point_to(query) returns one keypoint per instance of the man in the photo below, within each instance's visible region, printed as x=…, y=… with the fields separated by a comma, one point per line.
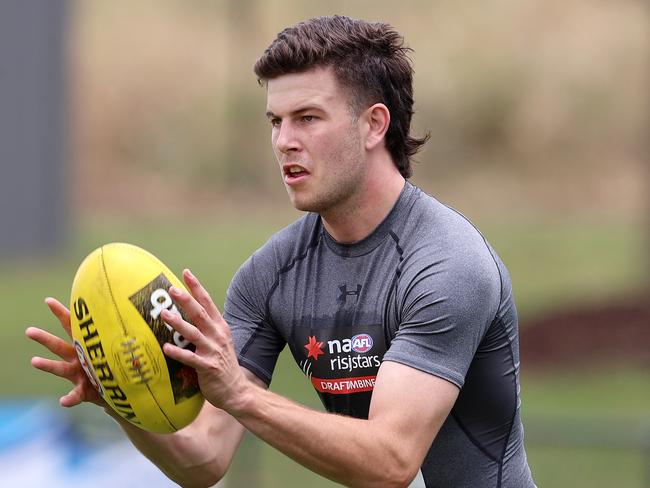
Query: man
x=393, y=304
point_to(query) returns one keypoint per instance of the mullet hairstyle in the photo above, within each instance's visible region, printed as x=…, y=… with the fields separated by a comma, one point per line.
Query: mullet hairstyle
x=368, y=59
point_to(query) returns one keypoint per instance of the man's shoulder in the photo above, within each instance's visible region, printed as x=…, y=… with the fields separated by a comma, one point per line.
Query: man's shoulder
x=295, y=237
x=432, y=226
x=290, y=242
x=298, y=232
x=437, y=235
x=260, y=271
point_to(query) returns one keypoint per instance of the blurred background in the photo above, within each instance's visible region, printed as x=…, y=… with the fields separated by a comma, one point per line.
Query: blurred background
x=143, y=122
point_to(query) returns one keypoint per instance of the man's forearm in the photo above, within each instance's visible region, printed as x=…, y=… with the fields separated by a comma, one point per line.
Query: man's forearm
x=191, y=456
x=351, y=451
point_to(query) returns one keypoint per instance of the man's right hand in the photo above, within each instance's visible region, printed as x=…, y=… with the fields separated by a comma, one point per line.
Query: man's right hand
x=68, y=366
x=199, y=455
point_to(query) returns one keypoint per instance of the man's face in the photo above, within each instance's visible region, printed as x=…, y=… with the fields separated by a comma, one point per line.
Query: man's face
x=316, y=140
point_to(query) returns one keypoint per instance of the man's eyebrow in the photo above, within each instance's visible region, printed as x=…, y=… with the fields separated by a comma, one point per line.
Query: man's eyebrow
x=270, y=114
x=307, y=108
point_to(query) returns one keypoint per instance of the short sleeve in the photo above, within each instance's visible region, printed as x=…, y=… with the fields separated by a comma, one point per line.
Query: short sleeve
x=257, y=342
x=444, y=308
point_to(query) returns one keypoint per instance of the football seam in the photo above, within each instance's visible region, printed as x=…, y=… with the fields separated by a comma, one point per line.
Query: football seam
x=119, y=315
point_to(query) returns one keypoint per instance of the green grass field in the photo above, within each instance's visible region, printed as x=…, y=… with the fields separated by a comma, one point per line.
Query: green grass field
x=551, y=266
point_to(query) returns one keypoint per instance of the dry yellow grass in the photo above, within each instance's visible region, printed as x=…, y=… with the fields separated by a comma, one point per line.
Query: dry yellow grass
x=538, y=104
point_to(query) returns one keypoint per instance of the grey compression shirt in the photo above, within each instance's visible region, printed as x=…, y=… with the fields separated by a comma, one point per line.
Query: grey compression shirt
x=424, y=290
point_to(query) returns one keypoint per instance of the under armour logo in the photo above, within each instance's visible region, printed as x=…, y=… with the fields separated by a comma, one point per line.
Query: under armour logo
x=345, y=293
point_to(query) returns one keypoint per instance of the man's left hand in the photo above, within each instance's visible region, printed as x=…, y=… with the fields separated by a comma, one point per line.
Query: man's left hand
x=221, y=379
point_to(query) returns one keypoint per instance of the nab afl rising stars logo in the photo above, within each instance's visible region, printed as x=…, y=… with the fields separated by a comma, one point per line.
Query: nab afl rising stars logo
x=344, y=368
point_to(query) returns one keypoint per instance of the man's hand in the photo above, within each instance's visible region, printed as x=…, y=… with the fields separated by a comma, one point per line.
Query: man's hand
x=221, y=379
x=69, y=366
x=199, y=454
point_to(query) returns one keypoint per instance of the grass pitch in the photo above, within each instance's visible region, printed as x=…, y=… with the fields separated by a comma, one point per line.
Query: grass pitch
x=551, y=266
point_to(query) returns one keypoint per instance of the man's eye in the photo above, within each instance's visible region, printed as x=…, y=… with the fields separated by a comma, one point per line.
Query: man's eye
x=275, y=122
x=308, y=118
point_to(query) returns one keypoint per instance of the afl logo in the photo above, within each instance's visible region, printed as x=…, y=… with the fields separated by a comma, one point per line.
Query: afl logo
x=362, y=343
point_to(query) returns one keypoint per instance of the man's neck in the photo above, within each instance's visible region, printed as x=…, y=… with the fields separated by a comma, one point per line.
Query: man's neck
x=364, y=213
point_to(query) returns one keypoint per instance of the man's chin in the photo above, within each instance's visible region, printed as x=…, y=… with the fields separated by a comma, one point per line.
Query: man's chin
x=303, y=205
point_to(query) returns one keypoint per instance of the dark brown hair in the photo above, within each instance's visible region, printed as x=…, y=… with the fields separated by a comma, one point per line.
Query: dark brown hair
x=369, y=59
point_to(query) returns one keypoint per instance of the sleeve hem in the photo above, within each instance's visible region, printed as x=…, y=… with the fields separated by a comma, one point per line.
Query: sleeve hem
x=434, y=369
x=255, y=369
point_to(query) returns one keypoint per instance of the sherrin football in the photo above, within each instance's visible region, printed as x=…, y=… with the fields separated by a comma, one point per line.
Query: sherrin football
x=117, y=298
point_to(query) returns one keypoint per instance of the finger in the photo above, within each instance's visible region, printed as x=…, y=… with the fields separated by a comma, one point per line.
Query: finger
x=58, y=368
x=187, y=330
x=61, y=313
x=82, y=392
x=193, y=309
x=53, y=343
x=184, y=356
x=72, y=398
x=201, y=295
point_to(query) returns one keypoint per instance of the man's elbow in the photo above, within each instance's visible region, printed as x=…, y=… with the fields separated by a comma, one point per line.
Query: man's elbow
x=204, y=482
x=400, y=478
x=198, y=477
x=392, y=474
x=389, y=480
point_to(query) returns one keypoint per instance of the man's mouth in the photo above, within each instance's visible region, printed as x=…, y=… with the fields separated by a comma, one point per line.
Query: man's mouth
x=293, y=171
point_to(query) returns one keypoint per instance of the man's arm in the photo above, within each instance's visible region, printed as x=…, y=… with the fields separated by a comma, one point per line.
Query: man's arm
x=407, y=410
x=197, y=455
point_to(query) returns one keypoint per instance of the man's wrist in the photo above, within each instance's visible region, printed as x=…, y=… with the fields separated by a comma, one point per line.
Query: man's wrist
x=111, y=413
x=245, y=401
x=115, y=416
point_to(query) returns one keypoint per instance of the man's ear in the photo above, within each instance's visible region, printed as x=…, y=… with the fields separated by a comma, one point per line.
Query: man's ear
x=378, y=120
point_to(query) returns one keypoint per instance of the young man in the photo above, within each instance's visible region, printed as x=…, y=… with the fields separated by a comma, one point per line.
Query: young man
x=394, y=305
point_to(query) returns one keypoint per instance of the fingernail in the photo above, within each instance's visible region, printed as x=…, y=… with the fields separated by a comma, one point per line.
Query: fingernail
x=173, y=290
x=190, y=274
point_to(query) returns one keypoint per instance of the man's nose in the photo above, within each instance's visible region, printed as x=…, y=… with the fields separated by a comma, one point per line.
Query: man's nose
x=287, y=138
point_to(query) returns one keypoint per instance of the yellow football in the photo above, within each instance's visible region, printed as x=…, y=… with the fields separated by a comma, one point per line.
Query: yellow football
x=117, y=297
